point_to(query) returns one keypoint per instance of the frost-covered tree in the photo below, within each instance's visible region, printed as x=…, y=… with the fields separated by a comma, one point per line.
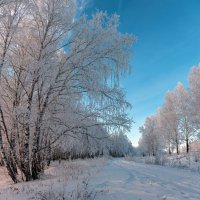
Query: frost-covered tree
x=120, y=145
x=151, y=141
x=171, y=117
x=178, y=119
x=194, y=93
x=186, y=127
x=59, y=77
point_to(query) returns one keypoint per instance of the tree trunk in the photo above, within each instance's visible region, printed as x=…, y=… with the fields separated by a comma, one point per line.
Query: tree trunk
x=170, y=152
x=177, y=149
x=187, y=145
x=177, y=145
x=11, y=172
x=26, y=159
x=49, y=154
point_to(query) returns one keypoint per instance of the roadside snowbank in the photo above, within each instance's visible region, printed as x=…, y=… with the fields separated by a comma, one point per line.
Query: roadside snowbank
x=68, y=180
x=186, y=161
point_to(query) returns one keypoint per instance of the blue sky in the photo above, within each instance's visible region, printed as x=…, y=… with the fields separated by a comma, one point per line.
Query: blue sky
x=168, y=45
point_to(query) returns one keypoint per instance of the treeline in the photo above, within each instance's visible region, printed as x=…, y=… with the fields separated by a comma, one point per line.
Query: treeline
x=103, y=144
x=59, y=75
x=177, y=123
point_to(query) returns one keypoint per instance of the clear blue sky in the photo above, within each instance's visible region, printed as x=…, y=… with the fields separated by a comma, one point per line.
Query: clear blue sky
x=168, y=46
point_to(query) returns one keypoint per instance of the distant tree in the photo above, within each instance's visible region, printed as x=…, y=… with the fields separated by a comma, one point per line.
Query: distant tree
x=177, y=121
x=171, y=116
x=186, y=127
x=120, y=145
x=194, y=100
x=150, y=142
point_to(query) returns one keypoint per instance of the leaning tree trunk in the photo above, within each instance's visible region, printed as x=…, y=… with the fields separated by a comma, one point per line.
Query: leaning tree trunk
x=11, y=172
x=36, y=157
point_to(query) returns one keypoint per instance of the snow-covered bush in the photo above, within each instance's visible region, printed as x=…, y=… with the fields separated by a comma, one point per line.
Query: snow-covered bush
x=161, y=159
x=186, y=160
x=81, y=192
x=196, y=156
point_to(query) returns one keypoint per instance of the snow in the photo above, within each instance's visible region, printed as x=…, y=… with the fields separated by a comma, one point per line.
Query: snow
x=117, y=179
x=131, y=180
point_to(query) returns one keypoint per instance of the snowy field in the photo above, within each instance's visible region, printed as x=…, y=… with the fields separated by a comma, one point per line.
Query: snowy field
x=106, y=179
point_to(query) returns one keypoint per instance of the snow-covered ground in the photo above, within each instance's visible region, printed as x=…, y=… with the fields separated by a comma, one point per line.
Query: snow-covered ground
x=106, y=179
x=138, y=181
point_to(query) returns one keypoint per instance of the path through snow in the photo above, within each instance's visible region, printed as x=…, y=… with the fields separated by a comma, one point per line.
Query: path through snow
x=127, y=180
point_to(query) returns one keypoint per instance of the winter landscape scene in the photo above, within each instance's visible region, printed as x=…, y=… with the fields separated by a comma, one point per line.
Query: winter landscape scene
x=99, y=100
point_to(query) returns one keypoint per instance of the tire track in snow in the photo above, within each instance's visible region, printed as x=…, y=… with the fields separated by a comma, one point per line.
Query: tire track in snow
x=127, y=180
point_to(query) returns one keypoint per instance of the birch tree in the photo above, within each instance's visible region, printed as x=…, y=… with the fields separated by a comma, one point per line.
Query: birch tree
x=186, y=127
x=59, y=76
x=194, y=81
x=151, y=143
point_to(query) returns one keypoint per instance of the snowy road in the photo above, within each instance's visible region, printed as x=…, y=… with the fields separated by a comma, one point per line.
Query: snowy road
x=127, y=180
